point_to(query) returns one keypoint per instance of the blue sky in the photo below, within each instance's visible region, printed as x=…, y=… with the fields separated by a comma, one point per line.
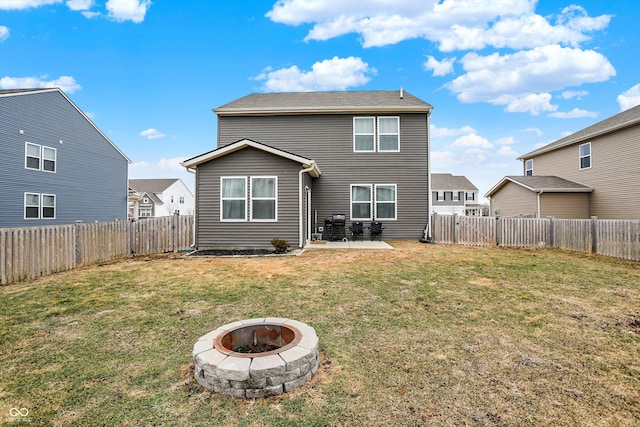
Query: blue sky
x=504, y=76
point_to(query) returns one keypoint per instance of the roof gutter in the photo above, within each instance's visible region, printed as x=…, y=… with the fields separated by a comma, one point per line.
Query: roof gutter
x=257, y=111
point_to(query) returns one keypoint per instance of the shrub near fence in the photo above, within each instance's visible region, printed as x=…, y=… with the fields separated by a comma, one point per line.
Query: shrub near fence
x=615, y=238
x=30, y=252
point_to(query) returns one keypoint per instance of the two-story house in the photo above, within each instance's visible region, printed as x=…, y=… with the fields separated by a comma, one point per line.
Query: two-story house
x=287, y=161
x=592, y=172
x=454, y=195
x=56, y=166
x=160, y=197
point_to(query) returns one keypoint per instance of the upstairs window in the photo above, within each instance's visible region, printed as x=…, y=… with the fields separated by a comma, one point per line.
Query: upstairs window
x=361, y=202
x=181, y=200
x=38, y=157
x=456, y=196
x=264, y=198
x=371, y=134
x=32, y=160
x=470, y=196
x=585, y=156
x=388, y=134
x=363, y=134
x=233, y=194
x=441, y=196
x=528, y=167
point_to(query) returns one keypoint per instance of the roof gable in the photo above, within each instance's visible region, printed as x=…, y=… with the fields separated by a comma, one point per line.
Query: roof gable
x=542, y=184
x=621, y=120
x=244, y=143
x=324, y=102
x=151, y=185
x=23, y=92
x=447, y=181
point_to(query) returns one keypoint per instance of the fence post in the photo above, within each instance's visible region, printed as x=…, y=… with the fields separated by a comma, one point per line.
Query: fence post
x=433, y=226
x=78, y=243
x=455, y=229
x=176, y=230
x=132, y=236
x=498, y=230
x=552, y=233
x=594, y=234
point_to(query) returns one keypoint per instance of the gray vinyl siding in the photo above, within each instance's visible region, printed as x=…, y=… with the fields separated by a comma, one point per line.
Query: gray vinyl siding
x=615, y=160
x=512, y=200
x=565, y=205
x=211, y=233
x=328, y=139
x=90, y=182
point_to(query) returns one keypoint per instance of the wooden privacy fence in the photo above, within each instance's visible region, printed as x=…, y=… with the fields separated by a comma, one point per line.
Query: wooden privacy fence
x=615, y=238
x=30, y=252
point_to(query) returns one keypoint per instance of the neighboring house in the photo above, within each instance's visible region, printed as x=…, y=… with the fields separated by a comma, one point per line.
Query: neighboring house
x=601, y=160
x=159, y=197
x=454, y=194
x=539, y=197
x=287, y=161
x=56, y=166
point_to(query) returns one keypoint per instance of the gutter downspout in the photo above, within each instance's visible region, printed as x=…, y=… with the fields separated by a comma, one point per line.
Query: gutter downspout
x=195, y=208
x=539, y=193
x=430, y=195
x=301, y=203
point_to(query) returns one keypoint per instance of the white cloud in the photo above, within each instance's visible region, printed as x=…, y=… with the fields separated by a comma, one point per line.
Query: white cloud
x=505, y=141
x=453, y=24
x=439, y=68
x=440, y=157
x=152, y=133
x=472, y=140
x=25, y=4
x=629, y=98
x=578, y=94
x=524, y=77
x=79, y=4
x=330, y=74
x=67, y=83
x=537, y=131
x=128, y=10
x=436, y=132
x=506, y=150
x=4, y=33
x=573, y=114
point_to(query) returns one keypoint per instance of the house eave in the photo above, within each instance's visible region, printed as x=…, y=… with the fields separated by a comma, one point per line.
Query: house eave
x=318, y=110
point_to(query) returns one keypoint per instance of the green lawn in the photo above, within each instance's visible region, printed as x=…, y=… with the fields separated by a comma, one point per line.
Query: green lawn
x=421, y=335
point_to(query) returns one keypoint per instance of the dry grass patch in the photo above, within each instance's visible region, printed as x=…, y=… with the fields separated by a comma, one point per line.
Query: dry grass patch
x=421, y=335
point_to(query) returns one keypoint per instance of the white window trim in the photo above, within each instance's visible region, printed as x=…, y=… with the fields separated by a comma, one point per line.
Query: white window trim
x=26, y=156
x=528, y=169
x=41, y=158
x=42, y=206
x=378, y=133
x=275, y=199
x=245, y=198
x=373, y=149
x=455, y=196
x=466, y=196
x=395, y=202
x=354, y=218
x=55, y=160
x=580, y=157
x=24, y=205
x=438, y=198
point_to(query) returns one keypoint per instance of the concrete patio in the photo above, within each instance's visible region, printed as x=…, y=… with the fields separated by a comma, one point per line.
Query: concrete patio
x=349, y=244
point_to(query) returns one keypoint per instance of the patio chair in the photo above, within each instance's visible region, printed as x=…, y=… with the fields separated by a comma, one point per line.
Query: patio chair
x=375, y=230
x=357, y=231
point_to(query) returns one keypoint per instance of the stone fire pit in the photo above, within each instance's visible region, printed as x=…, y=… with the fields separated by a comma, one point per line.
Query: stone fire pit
x=257, y=357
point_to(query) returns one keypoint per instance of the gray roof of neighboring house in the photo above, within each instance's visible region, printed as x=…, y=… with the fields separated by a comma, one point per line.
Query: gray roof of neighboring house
x=539, y=184
x=447, y=181
x=619, y=121
x=324, y=102
x=14, y=91
x=151, y=185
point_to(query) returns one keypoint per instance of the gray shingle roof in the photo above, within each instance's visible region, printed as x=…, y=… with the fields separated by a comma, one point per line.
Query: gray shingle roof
x=549, y=184
x=447, y=181
x=13, y=91
x=613, y=123
x=322, y=102
x=151, y=185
